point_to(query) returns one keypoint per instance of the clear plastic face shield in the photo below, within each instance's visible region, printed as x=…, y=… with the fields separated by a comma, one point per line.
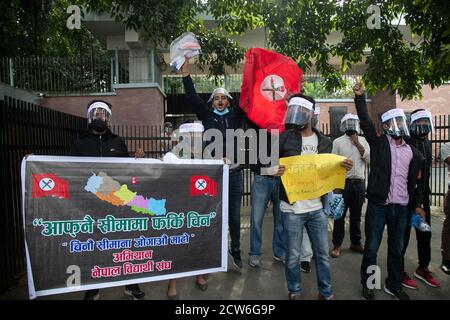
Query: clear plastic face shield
x=395, y=123
x=99, y=116
x=421, y=123
x=350, y=124
x=316, y=118
x=299, y=113
x=191, y=141
x=220, y=98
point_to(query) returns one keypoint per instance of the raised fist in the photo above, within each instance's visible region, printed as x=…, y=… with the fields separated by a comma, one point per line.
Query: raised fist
x=358, y=89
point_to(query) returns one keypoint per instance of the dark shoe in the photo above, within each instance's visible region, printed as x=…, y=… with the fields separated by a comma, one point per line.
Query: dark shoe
x=336, y=252
x=305, y=266
x=201, y=286
x=322, y=298
x=92, y=295
x=398, y=295
x=237, y=262
x=358, y=248
x=135, y=292
x=445, y=267
x=294, y=296
x=368, y=294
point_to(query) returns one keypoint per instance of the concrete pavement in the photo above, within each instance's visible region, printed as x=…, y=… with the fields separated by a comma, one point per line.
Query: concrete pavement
x=268, y=282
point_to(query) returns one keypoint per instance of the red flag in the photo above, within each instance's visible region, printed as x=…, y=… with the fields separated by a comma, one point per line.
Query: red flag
x=48, y=184
x=203, y=185
x=268, y=76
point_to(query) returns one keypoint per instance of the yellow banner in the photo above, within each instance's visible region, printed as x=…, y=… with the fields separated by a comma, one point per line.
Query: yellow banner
x=312, y=175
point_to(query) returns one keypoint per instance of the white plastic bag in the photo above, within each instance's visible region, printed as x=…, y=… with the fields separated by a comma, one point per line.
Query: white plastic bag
x=334, y=205
x=185, y=46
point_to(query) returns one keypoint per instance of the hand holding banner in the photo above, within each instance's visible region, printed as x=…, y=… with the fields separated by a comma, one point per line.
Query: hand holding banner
x=311, y=176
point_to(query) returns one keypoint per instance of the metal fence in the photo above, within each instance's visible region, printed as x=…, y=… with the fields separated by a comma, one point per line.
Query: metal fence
x=58, y=75
x=439, y=178
x=86, y=74
x=25, y=128
x=152, y=139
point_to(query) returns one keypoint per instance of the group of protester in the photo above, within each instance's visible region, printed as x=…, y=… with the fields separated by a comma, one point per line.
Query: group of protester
x=397, y=187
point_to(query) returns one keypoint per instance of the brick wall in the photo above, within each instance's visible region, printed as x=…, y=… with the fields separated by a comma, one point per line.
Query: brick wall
x=131, y=106
x=437, y=100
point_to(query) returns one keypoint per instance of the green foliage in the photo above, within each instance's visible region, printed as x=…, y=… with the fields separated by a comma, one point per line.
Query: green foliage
x=298, y=28
x=232, y=82
x=218, y=51
x=157, y=21
x=317, y=88
x=22, y=26
x=160, y=22
x=38, y=27
x=237, y=16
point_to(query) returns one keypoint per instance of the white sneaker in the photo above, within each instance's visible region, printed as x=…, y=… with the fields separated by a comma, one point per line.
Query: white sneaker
x=254, y=261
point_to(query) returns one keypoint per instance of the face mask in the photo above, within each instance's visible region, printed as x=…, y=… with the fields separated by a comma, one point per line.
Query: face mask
x=395, y=137
x=420, y=130
x=350, y=132
x=221, y=113
x=98, y=125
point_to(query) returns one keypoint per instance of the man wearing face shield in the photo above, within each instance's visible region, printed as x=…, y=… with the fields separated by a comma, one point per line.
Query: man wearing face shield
x=357, y=149
x=302, y=138
x=394, y=189
x=222, y=116
x=191, y=136
x=421, y=125
x=99, y=141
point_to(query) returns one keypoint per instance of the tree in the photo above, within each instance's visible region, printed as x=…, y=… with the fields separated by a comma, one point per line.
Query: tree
x=177, y=16
x=300, y=30
x=38, y=27
x=297, y=28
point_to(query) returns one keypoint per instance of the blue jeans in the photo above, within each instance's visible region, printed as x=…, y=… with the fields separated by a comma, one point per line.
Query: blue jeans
x=316, y=224
x=377, y=216
x=265, y=188
x=235, y=188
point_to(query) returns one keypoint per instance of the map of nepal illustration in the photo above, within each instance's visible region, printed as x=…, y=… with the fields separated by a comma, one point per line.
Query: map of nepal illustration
x=108, y=189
